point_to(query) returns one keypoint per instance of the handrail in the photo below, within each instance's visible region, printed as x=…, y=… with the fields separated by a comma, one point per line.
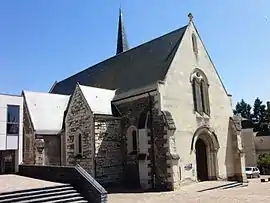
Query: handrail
x=90, y=179
x=79, y=178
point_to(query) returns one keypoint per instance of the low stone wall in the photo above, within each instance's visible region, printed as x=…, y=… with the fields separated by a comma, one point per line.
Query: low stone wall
x=89, y=188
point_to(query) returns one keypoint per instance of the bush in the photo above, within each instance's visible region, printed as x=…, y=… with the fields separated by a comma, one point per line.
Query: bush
x=263, y=161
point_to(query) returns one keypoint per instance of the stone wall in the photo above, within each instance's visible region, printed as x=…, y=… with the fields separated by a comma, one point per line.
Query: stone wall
x=108, y=150
x=28, y=138
x=177, y=98
x=76, y=176
x=52, y=150
x=63, y=148
x=39, y=151
x=161, y=148
x=79, y=121
x=131, y=111
x=248, y=139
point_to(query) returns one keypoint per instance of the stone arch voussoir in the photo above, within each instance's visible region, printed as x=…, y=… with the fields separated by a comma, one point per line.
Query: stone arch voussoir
x=208, y=135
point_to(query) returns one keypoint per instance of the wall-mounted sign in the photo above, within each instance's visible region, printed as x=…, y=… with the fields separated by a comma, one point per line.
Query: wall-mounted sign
x=188, y=167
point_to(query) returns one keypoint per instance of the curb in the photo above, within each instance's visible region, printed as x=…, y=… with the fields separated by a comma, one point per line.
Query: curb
x=263, y=180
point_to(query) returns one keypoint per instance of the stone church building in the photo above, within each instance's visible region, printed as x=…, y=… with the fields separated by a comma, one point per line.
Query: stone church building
x=153, y=116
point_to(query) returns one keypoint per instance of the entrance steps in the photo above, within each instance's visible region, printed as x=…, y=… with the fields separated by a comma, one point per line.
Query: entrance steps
x=53, y=194
x=211, y=185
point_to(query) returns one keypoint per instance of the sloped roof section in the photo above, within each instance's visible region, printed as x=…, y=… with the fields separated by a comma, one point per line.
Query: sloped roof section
x=132, y=69
x=46, y=111
x=98, y=99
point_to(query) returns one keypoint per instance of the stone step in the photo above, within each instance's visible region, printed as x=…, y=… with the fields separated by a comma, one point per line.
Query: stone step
x=31, y=197
x=77, y=199
x=23, y=193
x=52, y=198
x=232, y=186
x=219, y=186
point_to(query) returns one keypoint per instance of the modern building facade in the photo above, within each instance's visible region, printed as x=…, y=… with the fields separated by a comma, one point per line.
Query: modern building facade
x=11, y=132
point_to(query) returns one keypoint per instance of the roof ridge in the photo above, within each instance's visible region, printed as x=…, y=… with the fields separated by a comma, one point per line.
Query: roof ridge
x=120, y=54
x=47, y=93
x=88, y=86
x=10, y=95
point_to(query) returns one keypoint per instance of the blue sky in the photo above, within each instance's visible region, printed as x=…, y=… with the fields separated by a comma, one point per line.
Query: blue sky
x=47, y=40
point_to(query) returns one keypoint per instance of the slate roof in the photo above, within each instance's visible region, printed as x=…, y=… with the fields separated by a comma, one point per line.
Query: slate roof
x=137, y=67
x=99, y=100
x=46, y=111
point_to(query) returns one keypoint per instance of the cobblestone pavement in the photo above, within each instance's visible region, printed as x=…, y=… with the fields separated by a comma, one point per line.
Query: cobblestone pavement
x=10, y=183
x=254, y=192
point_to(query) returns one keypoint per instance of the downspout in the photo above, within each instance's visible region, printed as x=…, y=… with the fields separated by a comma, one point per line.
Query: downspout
x=153, y=174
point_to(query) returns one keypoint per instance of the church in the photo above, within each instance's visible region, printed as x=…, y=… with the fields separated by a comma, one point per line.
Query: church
x=153, y=116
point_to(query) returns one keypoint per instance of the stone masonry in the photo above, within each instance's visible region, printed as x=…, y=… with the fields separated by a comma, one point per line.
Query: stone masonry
x=79, y=121
x=159, y=166
x=29, y=138
x=101, y=142
x=39, y=149
x=108, y=150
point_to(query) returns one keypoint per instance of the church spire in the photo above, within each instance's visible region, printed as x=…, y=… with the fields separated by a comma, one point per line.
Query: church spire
x=122, y=44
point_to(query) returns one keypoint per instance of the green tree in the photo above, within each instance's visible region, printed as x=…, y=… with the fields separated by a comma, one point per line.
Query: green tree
x=243, y=108
x=264, y=159
x=259, y=116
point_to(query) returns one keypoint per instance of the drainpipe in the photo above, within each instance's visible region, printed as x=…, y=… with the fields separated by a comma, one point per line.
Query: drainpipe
x=153, y=174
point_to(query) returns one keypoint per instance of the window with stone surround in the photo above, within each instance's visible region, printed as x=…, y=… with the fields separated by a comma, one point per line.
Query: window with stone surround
x=78, y=145
x=132, y=140
x=200, y=91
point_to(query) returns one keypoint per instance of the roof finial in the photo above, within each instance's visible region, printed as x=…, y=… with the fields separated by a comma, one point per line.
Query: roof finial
x=190, y=16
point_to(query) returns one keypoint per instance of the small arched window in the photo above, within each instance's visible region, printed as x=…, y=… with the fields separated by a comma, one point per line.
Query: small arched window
x=200, y=88
x=78, y=144
x=194, y=43
x=142, y=120
x=134, y=141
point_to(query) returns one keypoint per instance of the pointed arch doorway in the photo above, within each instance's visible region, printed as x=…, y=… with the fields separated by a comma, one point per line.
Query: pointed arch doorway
x=201, y=160
x=205, y=145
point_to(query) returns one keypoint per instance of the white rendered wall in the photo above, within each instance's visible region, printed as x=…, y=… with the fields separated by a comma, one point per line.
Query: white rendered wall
x=11, y=142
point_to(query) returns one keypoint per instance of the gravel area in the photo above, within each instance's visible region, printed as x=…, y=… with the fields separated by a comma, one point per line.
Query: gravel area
x=9, y=183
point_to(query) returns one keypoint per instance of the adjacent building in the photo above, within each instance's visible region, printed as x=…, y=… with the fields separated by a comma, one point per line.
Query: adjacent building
x=11, y=132
x=43, y=119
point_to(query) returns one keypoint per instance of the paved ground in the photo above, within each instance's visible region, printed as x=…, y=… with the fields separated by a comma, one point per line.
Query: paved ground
x=254, y=192
x=10, y=183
